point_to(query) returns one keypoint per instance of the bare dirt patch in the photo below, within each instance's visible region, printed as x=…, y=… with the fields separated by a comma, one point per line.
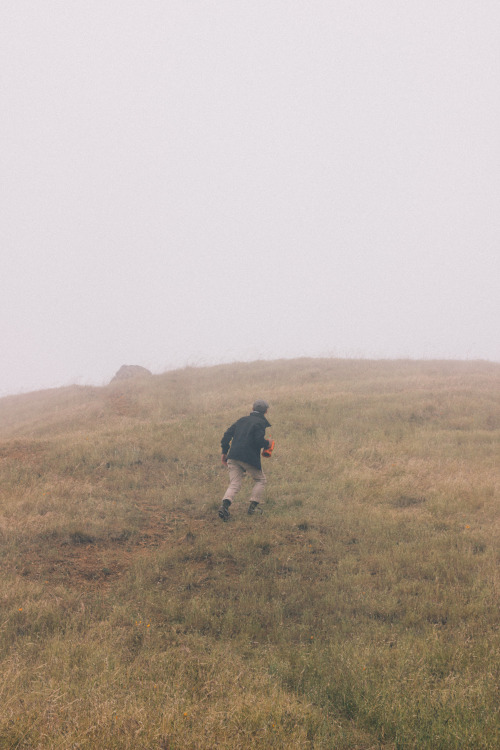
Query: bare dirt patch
x=82, y=560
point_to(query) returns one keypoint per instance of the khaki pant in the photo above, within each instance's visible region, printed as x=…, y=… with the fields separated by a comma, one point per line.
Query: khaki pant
x=237, y=469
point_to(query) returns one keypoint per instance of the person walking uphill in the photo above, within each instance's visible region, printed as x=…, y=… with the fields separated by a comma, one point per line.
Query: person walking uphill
x=241, y=448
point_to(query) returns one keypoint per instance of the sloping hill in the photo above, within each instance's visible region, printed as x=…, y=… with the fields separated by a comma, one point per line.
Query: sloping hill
x=359, y=611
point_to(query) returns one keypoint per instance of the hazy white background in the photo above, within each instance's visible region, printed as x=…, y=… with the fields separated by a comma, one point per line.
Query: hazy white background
x=198, y=181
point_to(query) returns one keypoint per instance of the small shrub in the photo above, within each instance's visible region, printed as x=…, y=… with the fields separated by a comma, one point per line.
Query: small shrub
x=406, y=501
x=81, y=537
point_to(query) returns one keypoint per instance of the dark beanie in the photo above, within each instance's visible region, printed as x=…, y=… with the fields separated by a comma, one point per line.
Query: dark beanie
x=261, y=405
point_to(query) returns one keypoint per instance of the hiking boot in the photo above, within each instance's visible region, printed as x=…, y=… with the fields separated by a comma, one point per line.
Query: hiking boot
x=252, y=507
x=224, y=509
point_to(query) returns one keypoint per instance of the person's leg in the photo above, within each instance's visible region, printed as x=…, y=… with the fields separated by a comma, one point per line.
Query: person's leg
x=236, y=472
x=235, y=478
x=259, y=486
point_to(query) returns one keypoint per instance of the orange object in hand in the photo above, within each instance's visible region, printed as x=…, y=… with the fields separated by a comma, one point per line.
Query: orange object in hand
x=267, y=452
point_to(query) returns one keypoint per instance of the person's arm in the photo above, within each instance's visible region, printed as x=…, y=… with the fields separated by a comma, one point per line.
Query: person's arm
x=226, y=441
x=260, y=438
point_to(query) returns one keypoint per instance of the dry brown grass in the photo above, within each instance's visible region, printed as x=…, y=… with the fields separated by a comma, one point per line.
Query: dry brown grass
x=361, y=611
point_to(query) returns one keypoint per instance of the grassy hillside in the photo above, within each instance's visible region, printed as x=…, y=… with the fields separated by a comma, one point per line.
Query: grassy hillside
x=361, y=610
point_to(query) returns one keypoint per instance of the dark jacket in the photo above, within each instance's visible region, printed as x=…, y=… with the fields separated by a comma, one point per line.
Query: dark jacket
x=246, y=437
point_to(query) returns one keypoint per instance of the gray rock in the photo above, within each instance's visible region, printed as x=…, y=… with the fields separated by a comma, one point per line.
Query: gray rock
x=126, y=372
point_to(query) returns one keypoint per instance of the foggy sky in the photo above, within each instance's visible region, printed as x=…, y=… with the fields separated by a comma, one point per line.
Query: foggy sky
x=203, y=181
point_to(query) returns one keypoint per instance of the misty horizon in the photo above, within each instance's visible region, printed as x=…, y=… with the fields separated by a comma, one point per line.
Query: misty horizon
x=205, y=183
